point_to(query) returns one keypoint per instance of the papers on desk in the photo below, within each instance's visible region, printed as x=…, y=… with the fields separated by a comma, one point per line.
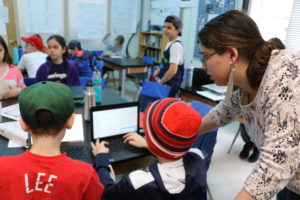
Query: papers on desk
x=211, y=96
x=116, y=56
x=18, y=138
x=75, y=134
x=11, y=112
x=14, y=132
x=219, y=90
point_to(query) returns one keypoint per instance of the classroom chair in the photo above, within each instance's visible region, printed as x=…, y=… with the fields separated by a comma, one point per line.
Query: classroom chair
x=138, y=78
x=29, y=81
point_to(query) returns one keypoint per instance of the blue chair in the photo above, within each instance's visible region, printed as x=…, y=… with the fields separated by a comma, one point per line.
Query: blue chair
x=206, y=142
x=29, y=81
x=84, y=79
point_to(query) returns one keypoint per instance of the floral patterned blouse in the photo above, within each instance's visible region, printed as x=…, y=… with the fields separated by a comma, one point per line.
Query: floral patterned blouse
x=272, y=121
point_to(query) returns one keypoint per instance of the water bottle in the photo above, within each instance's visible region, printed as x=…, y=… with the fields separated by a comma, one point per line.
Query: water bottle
x=15, y=53
x=189, y=78
x=89, y=100
x=97, y=85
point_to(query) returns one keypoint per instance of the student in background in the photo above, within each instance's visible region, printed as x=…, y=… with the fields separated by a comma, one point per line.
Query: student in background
x=11, y=79
x=179, y=172
x=58, y=68
x=172, y=63
x=81, y=58
x=43, y=171
x=113, y=48
x=268, y=96
x=33, y=56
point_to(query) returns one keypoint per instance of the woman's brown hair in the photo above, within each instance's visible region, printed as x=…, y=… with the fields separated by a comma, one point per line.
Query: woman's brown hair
x=235, y=29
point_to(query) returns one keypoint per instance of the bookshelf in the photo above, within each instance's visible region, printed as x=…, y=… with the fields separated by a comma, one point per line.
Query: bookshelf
x=152, y=44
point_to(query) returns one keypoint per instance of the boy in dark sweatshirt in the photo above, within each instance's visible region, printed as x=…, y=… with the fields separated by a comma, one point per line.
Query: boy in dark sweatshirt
x=179, y=173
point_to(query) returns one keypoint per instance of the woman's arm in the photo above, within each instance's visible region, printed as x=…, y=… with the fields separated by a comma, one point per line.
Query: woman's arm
x=207, y=124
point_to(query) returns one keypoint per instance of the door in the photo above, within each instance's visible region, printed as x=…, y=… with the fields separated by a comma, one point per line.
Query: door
x=10, y=27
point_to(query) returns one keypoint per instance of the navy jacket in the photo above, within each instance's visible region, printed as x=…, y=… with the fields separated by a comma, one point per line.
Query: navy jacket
x=71, y=71
x=150, y=185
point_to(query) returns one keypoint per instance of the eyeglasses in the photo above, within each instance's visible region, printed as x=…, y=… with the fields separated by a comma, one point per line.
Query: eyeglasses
x=204, y=59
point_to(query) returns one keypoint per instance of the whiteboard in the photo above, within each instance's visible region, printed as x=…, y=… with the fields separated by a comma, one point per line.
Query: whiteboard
x=124, y=16
x=41, y=16
x=90, y=20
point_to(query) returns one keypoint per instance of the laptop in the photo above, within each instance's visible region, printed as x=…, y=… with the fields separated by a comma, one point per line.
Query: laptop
x=77, y=92
x=111, y=123
x=74, y=143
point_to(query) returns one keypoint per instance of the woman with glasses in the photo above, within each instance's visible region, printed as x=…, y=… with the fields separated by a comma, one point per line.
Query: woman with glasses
x=268, y=98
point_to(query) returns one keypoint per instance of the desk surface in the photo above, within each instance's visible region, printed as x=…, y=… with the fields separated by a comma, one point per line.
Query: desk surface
x=190, y=94
x=126, y=62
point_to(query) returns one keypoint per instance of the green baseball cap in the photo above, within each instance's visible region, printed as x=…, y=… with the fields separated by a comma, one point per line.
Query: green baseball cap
x=53, y=97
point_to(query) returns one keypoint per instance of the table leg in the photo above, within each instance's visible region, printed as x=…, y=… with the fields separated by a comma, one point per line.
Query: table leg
x=122, y=82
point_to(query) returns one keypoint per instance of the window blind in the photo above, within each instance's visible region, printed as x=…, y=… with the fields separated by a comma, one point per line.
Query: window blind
x=293, y=33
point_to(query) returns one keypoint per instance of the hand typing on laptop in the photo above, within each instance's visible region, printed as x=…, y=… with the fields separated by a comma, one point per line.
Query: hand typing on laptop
x=132, y=138
x=99, y=147
x=135, y=139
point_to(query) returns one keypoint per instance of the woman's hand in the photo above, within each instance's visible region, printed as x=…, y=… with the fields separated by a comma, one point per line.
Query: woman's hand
x=135, y=139
x=99, y=147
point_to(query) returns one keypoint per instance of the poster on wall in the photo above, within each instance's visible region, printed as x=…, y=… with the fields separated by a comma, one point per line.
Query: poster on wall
x=90, y=20
x=209, y=9
x=124, y=16
x=41, y=16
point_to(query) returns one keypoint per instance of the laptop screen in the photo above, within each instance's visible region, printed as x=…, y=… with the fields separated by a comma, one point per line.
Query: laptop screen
x=114, y=120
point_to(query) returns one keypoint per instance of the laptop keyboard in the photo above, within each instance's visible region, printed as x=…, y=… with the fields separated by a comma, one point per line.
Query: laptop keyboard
x=82, y=153
x=116, y=144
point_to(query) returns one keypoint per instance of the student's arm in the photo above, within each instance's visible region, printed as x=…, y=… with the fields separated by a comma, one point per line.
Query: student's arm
x=121, y=190
x=74, y=76
x=22, y=63
x=170, y=73
x=15, y=91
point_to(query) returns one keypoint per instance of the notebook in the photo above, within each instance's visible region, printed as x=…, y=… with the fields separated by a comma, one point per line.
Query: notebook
x=111, y=123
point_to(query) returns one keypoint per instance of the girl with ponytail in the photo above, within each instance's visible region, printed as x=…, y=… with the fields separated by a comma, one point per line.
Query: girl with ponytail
x=268, y=97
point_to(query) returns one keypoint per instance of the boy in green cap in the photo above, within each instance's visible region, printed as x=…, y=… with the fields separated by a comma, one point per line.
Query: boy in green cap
x=43, y=172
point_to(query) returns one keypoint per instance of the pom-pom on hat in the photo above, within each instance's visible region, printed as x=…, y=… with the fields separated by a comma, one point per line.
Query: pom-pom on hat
x=171, y=127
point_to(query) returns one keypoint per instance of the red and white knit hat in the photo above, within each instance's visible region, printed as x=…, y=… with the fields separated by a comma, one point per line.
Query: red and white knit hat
x=171, y=127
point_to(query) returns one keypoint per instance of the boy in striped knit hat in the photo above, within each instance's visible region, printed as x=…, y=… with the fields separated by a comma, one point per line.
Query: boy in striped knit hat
x=179, y=172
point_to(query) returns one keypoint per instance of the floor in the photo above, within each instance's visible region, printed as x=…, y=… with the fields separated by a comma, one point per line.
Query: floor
x=227, y=172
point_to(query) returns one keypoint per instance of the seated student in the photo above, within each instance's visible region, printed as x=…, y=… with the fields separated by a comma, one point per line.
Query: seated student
x=113, y=48
x=58, y=68
x=81, y=58
x=11, y=79
x=43, y=172
x=34, y=55
x=179, y=172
